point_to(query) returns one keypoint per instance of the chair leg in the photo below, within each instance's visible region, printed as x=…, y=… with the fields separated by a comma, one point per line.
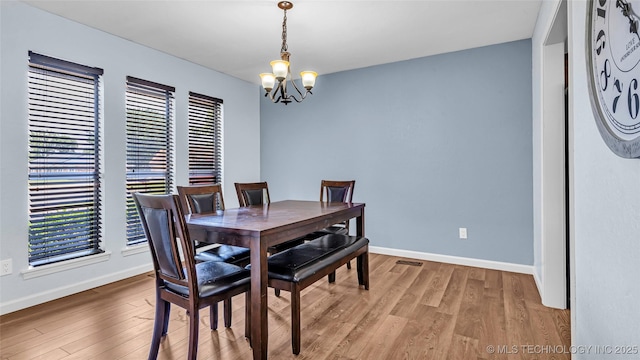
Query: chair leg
x=332, y=277
x=158, y=327
x=227, y=312
x=295, y=319
x=213, y=316
x=349, y=264
x=365, y=269
x=359, y=269
x=277, y=292
x=194, y=320
x=167, y=313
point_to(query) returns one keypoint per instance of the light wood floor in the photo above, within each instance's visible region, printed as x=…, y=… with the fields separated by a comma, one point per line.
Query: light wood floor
x=433, y=311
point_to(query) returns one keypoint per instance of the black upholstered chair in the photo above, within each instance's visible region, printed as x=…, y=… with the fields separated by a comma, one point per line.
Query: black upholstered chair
x=191, y=285
x=252, y=193
x=199, y=199
x=337, y=191
x=258, y=194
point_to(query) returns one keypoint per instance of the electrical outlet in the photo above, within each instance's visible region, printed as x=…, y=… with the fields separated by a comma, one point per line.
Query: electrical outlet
x=463, y=233
x=6, y=267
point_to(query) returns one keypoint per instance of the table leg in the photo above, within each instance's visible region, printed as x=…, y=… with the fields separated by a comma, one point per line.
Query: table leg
x=363, y=260
x=259, y=282
x=360, y=224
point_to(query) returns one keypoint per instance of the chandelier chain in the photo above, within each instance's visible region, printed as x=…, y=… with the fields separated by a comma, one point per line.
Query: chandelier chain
x=284, y=33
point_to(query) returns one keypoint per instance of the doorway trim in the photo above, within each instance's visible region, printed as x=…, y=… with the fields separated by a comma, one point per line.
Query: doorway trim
x=551, y=277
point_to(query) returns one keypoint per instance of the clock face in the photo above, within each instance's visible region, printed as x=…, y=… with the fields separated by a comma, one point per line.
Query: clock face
x=613, y=45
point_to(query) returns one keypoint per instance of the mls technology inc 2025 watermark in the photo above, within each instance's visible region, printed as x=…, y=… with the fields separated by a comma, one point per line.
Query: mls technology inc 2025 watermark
x=563, y=349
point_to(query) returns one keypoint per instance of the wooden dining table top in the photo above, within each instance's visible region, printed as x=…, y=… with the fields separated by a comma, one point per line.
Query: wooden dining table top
x=260, y=220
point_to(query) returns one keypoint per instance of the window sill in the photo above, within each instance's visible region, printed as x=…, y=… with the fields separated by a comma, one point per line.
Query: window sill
x=135, y=249
x=34, y=272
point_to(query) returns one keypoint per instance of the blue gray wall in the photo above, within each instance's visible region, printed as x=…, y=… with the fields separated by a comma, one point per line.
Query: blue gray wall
x=434, y=144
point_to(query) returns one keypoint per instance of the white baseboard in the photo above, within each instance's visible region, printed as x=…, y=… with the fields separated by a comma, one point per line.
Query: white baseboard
x=487, y=264
x=538, y=281
x=43, y=297
x=36, y=299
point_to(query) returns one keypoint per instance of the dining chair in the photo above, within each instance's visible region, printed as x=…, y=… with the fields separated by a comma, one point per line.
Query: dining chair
x=192, y=286
x=202, y=199
x=252, y=193
x=258, y=194
x=336, y=191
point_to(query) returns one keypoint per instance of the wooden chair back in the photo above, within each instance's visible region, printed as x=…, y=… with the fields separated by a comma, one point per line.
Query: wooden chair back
x=252, y=193
x=337, y=191
x=164, y=225
x=198, y=199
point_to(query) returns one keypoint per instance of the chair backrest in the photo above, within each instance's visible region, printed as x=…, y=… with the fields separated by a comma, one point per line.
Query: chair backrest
x=252, y=193
x=337, y=191
x=200, y=199
x=163, y=222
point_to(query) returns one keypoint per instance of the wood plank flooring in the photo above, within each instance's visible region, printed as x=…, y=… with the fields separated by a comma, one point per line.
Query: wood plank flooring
x=432, y=311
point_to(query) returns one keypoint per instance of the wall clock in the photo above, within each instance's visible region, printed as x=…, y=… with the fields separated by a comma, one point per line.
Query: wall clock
x=613, y=53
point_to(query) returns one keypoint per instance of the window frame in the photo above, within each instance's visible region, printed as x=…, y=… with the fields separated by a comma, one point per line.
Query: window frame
x=64, y=180
x=205, y=139
x=152, y=125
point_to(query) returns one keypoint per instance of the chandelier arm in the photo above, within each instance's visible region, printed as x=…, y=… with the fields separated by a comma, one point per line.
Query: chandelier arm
x=292, y=97
x=274, y=99
x=298, y=101
x=269, y=94
x=283, y=89
x=302, y=97
x=295, y=86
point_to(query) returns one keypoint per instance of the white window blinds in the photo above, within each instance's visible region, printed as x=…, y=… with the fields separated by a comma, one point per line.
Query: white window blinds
x=205, y=139
x=150, y=115
x=64, y=160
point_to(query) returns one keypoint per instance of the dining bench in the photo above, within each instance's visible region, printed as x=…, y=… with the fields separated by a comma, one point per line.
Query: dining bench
x=298, y=267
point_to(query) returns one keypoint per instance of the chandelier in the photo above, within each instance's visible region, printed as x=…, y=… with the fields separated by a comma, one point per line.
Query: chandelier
x=282, y=71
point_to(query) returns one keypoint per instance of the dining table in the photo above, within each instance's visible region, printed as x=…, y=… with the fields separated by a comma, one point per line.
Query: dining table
x=258, y=227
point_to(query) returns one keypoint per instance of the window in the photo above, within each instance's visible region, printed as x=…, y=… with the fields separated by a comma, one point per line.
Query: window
x=64, y=160
x=205, y=139
x=149, y=146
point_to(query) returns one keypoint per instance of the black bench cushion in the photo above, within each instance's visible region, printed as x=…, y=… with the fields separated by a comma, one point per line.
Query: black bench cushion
x=340, y=230
x=214, y=277
x=333, y=241
x=299, y=262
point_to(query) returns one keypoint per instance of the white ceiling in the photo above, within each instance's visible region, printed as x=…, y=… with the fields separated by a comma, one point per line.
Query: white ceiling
x=240, y=37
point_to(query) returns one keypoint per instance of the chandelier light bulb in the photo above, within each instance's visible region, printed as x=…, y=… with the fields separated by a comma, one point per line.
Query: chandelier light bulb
x=308, y=79
x=268, y=81
x=280, y=69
